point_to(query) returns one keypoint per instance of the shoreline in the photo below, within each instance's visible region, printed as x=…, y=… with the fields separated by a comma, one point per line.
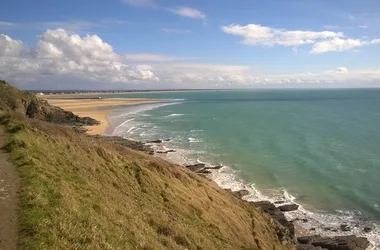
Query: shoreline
x=293, y=217
x=96, y=94
x=98, y=109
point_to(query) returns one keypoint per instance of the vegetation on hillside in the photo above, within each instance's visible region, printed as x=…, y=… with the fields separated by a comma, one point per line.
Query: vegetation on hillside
x=79, y=192
x=12, y=99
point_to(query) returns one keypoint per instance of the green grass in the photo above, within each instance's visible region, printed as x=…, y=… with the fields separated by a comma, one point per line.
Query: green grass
x=79, y=193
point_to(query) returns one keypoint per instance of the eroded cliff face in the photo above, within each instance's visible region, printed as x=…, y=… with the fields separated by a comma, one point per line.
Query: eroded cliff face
x=12, y=99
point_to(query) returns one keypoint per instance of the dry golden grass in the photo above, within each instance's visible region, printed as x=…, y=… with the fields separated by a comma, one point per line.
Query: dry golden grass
x=78, y=193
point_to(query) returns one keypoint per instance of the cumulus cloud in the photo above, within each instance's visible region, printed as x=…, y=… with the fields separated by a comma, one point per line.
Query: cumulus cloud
x=339, y=44
x=9, y=47
x=322, y=41
x=188, y=12
x=336, y=44
x=64, y=55
x=61, y=53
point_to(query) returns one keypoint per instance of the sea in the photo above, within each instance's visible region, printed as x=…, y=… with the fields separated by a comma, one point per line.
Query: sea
x=318, y=148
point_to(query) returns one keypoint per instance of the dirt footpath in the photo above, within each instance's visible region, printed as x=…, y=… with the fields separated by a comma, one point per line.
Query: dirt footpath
x=9, y=184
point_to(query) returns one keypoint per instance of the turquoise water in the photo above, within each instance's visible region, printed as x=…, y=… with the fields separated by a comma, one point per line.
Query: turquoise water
x=318, y=147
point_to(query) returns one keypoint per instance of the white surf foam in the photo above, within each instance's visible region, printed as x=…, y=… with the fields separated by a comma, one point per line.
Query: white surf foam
x=174, y=115
x=227, y=177
x=191, y=139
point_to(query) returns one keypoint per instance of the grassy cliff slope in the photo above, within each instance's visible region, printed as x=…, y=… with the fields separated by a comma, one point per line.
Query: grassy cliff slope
x=79, y=192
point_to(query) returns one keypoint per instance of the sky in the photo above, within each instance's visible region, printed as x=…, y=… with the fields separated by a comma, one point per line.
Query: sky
x=167, y=44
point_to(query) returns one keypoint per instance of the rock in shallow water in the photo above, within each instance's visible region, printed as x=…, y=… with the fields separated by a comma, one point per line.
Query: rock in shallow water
x=167, y=151
x=196, y=167
x=241, y=193
x=155, y=141
x=215, y=167
x=345, y=228
x=288, y=207
x=335, y=243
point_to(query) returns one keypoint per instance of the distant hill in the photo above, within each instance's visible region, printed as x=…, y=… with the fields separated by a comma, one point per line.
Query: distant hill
x=13, y=99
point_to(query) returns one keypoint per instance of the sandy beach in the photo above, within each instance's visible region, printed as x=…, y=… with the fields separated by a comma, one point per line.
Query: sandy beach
x=98, y=109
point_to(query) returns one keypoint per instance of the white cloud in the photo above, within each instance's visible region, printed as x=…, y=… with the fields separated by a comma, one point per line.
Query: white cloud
x=64, y=55
x=322, y=41
x=61, y=53
x=140, y=3
x=188, y=12
x=6, y=25
x=9, y=47
x=336, y=44
x=255, y=34
x=363, y=26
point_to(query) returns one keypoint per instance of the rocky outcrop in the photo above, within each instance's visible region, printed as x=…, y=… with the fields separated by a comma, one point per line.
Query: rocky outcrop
x=276, y=214
x=196, y=167
x=155, y=141
x=200, y=168
x=135, y=145
x=345, y=228
x=166, y=151
x=335, y=243
x=214, y=168
x=241, y=193
x=12, y=99
x=288, y=207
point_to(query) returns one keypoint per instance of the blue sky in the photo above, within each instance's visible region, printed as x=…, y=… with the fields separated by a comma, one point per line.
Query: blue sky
x=190, y=44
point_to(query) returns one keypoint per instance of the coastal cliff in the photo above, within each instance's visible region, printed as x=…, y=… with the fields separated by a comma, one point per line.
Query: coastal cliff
x=79, y=192
x=15, y=100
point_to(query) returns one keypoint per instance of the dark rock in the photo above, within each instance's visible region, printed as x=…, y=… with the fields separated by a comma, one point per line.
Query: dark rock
x=266, y=206
x=307, y=247
x=165, y=152
x=288, y=207
x=336, y=243
x=345, y=228
x=276, y=214
x=204, y=171
x=167, y=140
x=279, y=202
x=214, y=168
x=305, y=220
x=155, y=141
x=305, y=239
x=367, y=229
x=241, y=193
x=312, y=229
x=196, y=167
x=135, y=145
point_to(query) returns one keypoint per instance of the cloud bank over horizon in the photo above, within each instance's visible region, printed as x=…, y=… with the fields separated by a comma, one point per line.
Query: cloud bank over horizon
x=60, y=54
